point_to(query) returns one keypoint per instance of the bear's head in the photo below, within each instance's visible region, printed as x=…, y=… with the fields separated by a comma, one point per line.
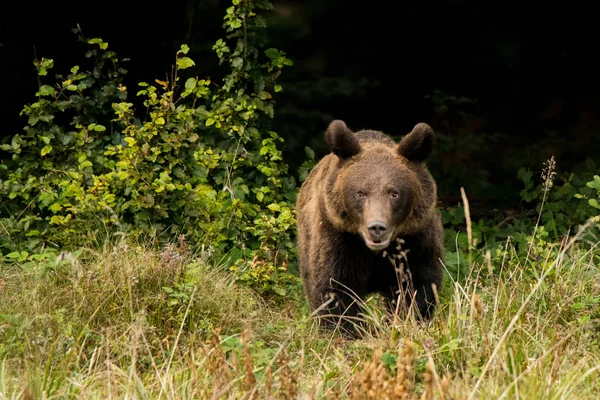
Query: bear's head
x=380, y=189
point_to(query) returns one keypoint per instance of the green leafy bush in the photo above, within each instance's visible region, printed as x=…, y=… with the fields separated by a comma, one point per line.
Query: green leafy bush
x=56, y=157
x=200, y=160
x=554, y=205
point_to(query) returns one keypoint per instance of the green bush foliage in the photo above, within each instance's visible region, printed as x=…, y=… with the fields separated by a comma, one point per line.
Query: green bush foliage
x=199, y=159
x=553, y=206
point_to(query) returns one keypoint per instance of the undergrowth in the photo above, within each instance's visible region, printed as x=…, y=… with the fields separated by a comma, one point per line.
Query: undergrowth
x=131, y=322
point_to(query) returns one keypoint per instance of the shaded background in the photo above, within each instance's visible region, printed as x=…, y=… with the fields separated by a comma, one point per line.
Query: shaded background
x=503, y=86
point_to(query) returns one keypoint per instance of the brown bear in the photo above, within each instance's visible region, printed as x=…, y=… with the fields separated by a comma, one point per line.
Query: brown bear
x=352, y=209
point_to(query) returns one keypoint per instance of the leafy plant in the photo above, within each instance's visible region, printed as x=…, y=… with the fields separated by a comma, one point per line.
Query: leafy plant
x=54, y=159
x=199, y=160
x=554, y=205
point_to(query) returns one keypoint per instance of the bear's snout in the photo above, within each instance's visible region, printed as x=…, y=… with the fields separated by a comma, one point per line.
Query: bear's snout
x=378, y=235
x=377, y=230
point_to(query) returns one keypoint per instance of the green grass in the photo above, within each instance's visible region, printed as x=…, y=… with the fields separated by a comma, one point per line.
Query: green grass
x=130, y=322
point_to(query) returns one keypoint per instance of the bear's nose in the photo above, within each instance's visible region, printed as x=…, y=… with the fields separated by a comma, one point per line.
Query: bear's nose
x=377, y=229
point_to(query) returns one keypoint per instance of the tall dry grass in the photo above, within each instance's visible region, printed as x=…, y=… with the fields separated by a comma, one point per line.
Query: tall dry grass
x=130, y=322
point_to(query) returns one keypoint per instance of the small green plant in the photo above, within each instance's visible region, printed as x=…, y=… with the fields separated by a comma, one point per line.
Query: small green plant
x=592, y=197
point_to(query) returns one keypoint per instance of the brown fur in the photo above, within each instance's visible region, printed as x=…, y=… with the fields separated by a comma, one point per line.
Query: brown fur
x=368, y=186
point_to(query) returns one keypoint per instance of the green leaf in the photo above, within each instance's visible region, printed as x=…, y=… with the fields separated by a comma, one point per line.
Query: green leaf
x=185, y=48
x=13, y=255
x=99, y=42
x=96, y=127
x=453, y=344
x=72, y=87
x=44, y=65
x=121, y=107
x=278, y=290
x=260, y=22
x=584, y=319
x=265, y=170
x=185, y=62
x=56, y=207
x=590, y=164
x=309, y=152
x=190, y=83
x=46, y=90
x=524, y=174
x=388, y=359
x=46, y=117
x=595, y=184
x=594, y=203
x=263, y=4
x=210, y=122
x=274, y=207
x=277, y=88
x=47, y=149
x=264, y=95
x=85, y=164
x=178, y=172
x=237, y=62
x=272, y=53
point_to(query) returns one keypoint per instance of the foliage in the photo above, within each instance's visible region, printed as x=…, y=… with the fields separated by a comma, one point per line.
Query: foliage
x=199, y=160
x=554, y=205
x=55, y=158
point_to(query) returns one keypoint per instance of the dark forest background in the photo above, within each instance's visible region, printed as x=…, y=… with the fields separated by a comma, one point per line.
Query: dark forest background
x=504, y=86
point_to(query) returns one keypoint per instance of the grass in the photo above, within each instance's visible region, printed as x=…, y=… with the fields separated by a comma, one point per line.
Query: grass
x=131, y=322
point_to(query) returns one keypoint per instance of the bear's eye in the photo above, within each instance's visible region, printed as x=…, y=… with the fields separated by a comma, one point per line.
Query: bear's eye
x=394, y=195
x=360, y=194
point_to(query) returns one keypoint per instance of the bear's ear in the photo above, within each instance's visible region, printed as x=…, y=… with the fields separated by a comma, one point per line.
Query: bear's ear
x=417, y=145
x=341, y=141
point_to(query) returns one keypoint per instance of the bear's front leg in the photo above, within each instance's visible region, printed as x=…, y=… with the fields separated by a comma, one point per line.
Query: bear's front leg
x=425, y=299
x=425, y=273
x=337, y=305
x=341, y=274
x=416, y=276
x=412, y=294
